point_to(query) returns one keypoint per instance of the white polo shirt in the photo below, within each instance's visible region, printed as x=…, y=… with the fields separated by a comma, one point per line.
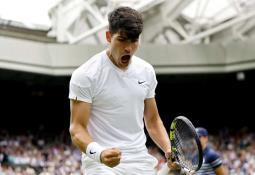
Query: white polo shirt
x=117, y=99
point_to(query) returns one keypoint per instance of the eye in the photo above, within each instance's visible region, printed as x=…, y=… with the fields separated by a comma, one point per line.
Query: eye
x=121, y=39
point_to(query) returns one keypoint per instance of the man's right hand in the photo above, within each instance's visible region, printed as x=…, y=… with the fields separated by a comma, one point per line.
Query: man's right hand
x=111, y=157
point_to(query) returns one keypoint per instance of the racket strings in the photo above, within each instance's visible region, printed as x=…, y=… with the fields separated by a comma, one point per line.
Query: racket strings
x=186, y=146
x=181, y=143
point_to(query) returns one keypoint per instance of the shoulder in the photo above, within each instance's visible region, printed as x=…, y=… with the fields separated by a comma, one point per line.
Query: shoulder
x=212, y=153
x=143, y=65
x=89, y=70
x=213, y=157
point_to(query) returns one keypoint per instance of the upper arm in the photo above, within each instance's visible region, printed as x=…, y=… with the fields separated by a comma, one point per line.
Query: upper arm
x=150, y=111
x=80, y=113
x=216, y=163
x=80, y=95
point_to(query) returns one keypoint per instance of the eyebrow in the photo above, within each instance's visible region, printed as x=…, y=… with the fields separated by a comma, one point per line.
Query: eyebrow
x=122, y=37
x=126, y=38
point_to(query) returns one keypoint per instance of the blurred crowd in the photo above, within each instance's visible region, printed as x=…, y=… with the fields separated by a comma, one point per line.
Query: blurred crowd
x=31, y=154
x=237, y=151
x=38, y=155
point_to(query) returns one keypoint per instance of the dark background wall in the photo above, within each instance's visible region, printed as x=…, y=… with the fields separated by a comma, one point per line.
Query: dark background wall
x=215, y=101
x=39, y=102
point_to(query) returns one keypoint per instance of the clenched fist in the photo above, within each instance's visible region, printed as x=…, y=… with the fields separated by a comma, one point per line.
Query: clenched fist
x=111, y=157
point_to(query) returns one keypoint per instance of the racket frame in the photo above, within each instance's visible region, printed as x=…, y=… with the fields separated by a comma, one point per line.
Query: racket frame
x=174, y=156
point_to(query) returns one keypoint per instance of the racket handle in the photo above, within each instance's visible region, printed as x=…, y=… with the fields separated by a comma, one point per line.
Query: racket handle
x=164, y=170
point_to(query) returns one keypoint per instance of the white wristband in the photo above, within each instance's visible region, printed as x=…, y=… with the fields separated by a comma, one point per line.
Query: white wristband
x=94, y=151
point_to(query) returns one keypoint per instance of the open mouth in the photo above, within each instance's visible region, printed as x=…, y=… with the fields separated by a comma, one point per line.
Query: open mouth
x=125, y=59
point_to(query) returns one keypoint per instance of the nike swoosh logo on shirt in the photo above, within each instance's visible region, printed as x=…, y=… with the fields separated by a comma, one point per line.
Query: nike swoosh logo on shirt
x=141, y=82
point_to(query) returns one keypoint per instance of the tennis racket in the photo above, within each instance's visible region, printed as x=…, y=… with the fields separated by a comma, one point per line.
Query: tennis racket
x=185, y=145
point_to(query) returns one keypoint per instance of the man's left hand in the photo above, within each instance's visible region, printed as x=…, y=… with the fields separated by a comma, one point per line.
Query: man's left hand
x=170, y=163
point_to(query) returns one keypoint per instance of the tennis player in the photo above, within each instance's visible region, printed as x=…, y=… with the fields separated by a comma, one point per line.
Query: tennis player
x=111, y=97
x=212, y=163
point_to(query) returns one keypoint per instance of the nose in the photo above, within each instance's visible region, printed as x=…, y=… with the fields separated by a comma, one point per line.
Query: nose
x=128, y=48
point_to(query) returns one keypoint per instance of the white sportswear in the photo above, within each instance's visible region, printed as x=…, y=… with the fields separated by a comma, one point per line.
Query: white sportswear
x=117, y=99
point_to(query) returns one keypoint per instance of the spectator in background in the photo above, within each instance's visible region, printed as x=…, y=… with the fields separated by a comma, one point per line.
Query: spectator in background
x=212, y=163
x=59, y=157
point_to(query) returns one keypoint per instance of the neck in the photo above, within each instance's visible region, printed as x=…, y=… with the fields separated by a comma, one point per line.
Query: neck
x=108, y=52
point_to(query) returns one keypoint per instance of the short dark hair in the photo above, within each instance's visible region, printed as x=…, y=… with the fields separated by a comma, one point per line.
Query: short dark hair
x=127, y=20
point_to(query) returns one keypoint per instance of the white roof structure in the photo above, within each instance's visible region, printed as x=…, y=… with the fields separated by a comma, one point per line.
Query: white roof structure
x=166, y=22
x=180, y=36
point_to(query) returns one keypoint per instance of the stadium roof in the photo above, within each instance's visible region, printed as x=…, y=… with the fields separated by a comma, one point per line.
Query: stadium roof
x=222, y=29
x=183, y=21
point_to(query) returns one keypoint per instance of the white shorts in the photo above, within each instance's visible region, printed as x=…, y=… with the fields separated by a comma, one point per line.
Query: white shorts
x=141, y=163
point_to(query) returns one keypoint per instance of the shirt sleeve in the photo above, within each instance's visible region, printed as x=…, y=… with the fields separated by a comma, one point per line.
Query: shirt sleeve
x=153, y=84
x=215, y=160
x=80, y=88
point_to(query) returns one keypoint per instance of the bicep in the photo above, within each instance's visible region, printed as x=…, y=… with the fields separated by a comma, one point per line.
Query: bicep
x=80, y=112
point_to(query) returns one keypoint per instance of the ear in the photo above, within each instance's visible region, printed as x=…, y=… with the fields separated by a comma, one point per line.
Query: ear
x=108, y=36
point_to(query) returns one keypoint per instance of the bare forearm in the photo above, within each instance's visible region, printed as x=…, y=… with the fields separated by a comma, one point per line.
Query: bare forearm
x=158, y=134
x=154, y=125
x=221, y=170
x=80, y=137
